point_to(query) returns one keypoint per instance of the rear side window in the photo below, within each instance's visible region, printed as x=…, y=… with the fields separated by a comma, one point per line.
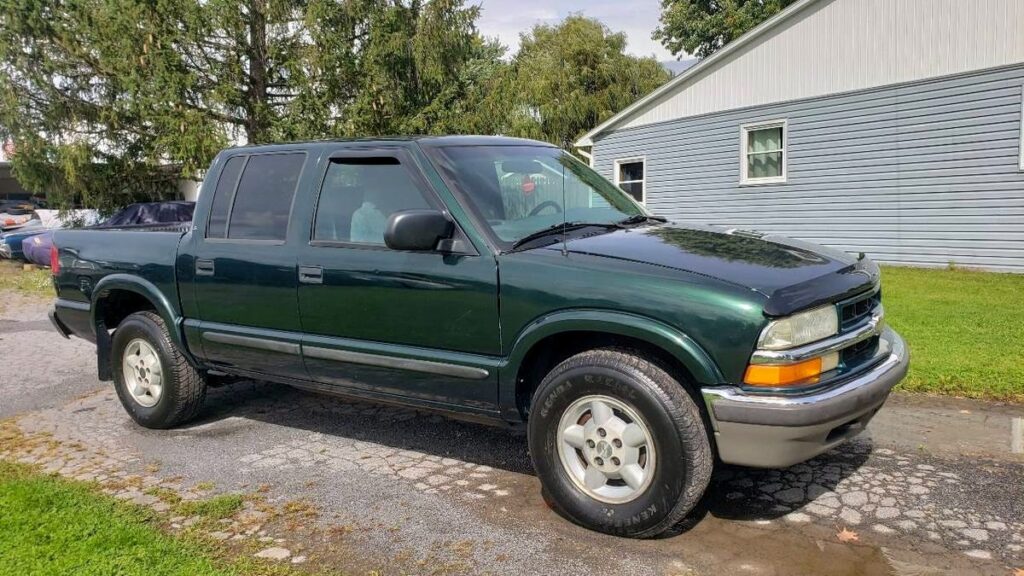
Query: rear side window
x=222, y=197
x=263, y=201
x=359, y=195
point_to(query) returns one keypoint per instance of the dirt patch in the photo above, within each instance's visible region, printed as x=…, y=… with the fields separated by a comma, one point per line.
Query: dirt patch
x=20, y=306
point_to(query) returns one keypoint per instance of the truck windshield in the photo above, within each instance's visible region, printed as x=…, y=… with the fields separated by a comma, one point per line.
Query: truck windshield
x=519, y=190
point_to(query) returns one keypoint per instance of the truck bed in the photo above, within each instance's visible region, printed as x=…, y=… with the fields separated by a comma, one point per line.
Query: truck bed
x=93, y=259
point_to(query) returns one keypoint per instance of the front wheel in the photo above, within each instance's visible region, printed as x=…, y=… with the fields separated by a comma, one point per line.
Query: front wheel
x=618, y=444
x=155, y=383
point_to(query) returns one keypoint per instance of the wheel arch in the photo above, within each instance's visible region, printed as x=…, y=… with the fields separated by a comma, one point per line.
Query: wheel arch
x=553, y=338
x=117, y=296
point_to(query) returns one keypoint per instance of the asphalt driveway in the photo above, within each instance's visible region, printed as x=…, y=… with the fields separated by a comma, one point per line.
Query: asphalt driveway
x=934, y=486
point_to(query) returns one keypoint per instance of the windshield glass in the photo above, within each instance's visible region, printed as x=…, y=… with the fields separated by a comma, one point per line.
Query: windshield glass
x=519, y=190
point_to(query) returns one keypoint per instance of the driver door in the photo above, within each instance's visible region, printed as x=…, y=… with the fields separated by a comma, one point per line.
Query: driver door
x=422, y=325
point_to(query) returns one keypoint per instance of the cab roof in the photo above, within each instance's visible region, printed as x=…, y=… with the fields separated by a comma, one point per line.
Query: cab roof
x=426, y=141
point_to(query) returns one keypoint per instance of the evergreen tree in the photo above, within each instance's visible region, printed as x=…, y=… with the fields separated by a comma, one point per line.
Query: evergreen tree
x=100, y=97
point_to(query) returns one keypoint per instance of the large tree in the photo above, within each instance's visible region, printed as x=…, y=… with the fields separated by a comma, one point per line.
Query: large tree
x=701, y=27
x=568, y=78
x=100, y=97
x=110, y=102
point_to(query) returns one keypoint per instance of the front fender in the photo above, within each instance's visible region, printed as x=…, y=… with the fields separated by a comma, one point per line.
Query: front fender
x=654, y=332
x=150, y=292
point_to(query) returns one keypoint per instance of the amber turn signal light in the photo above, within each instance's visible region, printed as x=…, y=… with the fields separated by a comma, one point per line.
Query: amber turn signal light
x=782, y=375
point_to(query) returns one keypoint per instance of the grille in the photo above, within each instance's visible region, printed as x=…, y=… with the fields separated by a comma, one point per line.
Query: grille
x=851, y=313
x=859, y=352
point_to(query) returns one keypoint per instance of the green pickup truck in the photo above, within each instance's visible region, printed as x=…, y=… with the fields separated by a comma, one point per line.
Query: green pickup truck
x=500, y=280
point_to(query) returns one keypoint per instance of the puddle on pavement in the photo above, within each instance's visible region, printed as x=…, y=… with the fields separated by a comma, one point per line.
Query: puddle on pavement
x=721, y=546
x=717, y=546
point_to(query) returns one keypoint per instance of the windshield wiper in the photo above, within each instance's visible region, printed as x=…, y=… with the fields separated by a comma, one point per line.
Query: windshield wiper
x=558, y=229
x=641, y=218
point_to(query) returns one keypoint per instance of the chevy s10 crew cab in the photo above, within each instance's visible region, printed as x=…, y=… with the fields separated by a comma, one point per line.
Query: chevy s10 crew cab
x=497, y=279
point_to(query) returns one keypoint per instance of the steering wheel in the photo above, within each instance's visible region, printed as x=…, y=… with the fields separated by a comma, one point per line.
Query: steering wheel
x=545, y=204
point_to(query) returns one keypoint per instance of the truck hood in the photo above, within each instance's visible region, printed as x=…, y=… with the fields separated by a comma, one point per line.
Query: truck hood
x=792, y=274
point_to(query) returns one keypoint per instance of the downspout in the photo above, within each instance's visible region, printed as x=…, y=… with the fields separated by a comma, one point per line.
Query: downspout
x=589, y=157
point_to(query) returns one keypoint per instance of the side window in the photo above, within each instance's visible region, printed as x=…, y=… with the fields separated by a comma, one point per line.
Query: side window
x=358, y=196
x=222, y=196
x=263, y=201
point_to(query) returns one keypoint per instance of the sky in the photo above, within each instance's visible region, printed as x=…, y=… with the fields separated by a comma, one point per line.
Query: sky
x=505, y=19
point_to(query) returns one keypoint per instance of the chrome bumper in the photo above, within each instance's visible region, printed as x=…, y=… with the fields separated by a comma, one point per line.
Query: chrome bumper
x=781, y=430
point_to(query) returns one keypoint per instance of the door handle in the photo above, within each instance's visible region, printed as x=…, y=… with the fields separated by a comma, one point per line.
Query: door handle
x=311, y=274
x=204, y=267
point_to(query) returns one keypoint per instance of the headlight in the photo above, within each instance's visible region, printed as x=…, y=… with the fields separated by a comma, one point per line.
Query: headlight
x=799, y=329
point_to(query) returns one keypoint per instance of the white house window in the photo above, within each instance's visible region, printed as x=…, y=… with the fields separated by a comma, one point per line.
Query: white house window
x=763, y=158
x=629, y=175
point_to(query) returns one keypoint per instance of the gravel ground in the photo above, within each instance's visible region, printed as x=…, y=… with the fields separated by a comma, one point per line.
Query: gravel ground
x=932, y=487
x=38, y=367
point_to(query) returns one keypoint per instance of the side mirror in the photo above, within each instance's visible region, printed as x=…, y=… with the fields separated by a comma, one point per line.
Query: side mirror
x=417, y=230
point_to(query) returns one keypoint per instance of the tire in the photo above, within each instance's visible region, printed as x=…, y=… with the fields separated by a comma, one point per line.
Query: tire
x=674, y=462
x=182, y=388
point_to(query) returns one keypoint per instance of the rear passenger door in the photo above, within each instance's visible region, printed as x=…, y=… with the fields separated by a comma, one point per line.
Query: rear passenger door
x=244, y=276
x=422, y=325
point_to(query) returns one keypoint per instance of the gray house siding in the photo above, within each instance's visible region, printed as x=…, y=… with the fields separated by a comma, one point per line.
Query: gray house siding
x=927, y=173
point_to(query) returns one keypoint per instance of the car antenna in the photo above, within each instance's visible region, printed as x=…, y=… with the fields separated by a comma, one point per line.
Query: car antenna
x=565, y=249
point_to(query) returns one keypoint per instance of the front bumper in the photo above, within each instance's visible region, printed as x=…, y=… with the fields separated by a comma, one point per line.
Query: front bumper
x=777, y=431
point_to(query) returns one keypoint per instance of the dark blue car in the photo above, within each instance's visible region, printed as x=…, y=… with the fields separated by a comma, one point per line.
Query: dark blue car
x=11, y=242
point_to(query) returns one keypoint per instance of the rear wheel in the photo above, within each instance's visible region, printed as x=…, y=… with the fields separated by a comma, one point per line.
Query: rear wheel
x=618, y=444
x=154, y=381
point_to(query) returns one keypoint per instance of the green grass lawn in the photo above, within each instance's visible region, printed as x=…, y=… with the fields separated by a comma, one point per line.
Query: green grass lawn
x=33, y=282
x=49, y=525
x=965, y=330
